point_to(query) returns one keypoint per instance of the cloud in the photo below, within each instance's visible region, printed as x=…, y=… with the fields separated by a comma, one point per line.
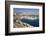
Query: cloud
x=26, y=11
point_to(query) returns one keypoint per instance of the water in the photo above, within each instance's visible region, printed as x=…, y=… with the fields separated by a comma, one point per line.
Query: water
x=34, y=23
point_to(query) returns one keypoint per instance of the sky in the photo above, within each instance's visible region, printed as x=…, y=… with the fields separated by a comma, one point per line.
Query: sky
x=26, y=11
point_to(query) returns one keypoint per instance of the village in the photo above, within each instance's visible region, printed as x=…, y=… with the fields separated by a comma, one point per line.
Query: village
x=19, y=24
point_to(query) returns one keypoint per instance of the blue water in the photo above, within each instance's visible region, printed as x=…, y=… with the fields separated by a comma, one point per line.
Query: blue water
x=34, y=23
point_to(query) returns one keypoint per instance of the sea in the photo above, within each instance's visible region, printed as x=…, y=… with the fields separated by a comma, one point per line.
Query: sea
x=34, y=23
